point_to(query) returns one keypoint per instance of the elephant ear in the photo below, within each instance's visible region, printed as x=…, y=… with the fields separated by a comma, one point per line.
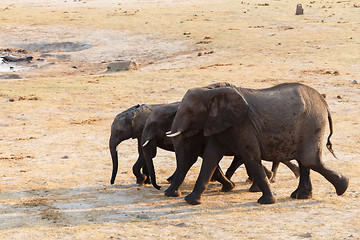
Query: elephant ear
x=227, y=108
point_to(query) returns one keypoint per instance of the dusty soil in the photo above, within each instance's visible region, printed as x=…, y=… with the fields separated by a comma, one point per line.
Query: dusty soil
x=55, y=121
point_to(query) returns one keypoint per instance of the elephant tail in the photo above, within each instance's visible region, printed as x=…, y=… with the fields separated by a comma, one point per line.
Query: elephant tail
x=329, y=144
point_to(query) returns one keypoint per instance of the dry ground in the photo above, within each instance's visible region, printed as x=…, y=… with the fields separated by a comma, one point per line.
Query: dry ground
x=55, y=121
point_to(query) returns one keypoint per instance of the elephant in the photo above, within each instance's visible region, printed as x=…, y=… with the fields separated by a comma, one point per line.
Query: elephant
x=160, y=121
x=126, y=125
x=280, y=123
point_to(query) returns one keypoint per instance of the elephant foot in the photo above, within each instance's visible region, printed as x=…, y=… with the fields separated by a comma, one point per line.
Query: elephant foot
x=228, y=187
x=140, y=179
x=171, y=193
x=193, y=199
x=254, y=188
x=267, y=199
x=302, y=194
x=342, y=185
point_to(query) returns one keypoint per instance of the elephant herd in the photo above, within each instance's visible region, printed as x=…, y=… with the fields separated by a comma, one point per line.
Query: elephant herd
x=282, y=123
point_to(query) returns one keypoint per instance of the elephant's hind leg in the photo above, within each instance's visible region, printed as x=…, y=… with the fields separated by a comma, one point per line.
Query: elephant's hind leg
x=304, y=190
x=339, y=181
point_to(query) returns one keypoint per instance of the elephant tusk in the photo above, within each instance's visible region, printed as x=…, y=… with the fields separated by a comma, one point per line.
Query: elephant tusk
x=174, y=134
x=169, y=132
x=145, y=143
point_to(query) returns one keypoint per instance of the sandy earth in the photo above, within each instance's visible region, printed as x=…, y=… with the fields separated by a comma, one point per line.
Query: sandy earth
x=55, y=121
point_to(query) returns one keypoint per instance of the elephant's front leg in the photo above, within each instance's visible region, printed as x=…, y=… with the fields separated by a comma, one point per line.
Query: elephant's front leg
x=183, y=166
x=256, y=170
x=211, y=157
x=187, y=151
x=140, y=163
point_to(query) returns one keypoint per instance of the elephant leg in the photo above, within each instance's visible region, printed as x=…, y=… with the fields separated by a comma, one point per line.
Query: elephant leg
x=304, y=189
x=235, y=164
x=219, y=176
x=295, y=169
x=339, y=181
x=256, y=169
x=140, y=178
x=211, y=158
x=274, y=169
x=149, y=152
x=186, y=155
x=179, y=176
x=145, y=171
x=254, y=187
x=250, y=178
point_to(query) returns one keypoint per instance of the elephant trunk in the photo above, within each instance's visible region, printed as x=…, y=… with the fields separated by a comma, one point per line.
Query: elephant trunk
x=112, y=145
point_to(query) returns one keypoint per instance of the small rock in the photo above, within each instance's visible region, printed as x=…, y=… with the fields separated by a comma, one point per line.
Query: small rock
x=299, y=10
x=324, y=95
x=143, y=216
x=355, y=82
x=121, y=65
x=338, y=97
x=306, y=235
x=65, y=157
x=16, y=59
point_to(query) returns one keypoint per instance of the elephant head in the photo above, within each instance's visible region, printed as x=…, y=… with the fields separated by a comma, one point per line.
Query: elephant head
x=153, y=135
x=209, y=110
x=126, y=125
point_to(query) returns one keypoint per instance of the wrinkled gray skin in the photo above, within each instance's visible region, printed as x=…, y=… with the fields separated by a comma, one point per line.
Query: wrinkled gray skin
x=285, y=122
x=126, y=125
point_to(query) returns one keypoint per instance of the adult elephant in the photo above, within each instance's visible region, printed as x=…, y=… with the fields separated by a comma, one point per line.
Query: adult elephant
x=281, y=123
x=160, y=121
